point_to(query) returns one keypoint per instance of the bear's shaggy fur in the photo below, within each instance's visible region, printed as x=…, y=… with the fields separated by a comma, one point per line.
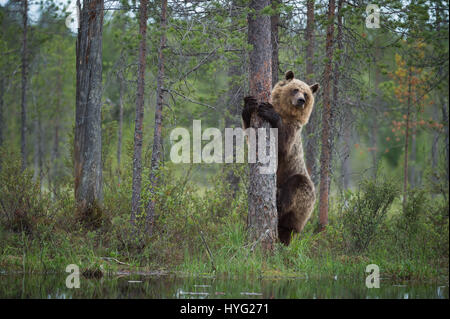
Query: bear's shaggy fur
x=290, y=107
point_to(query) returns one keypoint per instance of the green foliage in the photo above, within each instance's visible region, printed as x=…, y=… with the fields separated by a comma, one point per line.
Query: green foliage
x=365, y=210
x=22, y=206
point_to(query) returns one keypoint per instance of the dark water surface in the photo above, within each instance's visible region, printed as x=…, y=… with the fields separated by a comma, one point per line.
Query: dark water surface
x=168, y=286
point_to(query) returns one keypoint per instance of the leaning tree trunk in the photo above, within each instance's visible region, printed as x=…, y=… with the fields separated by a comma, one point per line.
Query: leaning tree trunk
x=311, y=130
x=325, y=155
x=157, y=137
x=23, y=128
x=88, y=129
x=262, y=213
x=137, y=155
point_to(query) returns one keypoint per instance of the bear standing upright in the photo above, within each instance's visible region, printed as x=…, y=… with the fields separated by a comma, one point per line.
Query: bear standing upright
x=290, y=107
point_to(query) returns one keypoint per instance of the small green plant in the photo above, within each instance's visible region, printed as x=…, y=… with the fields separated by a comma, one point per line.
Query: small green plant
x=365, y=210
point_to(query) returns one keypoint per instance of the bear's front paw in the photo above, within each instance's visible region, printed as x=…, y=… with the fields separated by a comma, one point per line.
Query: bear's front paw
x=267, y=112
x=250, y=106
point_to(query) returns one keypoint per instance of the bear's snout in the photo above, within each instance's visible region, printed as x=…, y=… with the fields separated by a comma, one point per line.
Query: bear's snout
x=300, y=102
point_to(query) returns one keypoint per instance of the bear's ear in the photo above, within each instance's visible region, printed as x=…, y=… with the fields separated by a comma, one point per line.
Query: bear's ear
x=289, y=75
x=314, y=88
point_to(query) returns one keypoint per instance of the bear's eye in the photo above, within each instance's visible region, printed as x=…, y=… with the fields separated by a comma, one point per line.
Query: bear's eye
x=294, y=91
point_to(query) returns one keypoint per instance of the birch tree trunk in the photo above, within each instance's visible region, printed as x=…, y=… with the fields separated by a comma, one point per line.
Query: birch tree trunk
x=262, y=215
x=88, y=129
x=157, y=137
x=325, y=155
x=137, y=155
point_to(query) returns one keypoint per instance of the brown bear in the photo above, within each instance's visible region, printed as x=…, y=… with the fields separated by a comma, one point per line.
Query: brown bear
x=291, y=104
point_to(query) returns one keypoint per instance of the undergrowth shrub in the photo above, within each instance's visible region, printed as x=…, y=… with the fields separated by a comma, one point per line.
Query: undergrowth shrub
x=365, y=210
x=22, y=205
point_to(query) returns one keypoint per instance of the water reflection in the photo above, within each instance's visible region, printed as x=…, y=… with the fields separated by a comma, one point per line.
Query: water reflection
x=53, y=286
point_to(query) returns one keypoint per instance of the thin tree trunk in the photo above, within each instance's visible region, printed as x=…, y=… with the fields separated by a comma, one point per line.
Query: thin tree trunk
x=444, y=109
x=137, y=155
x=23, y=130
x=405, y=165
x=36, y=175
x=374, y=121
x=312, y=130
x=2, y=93
x=413, y=155
x=336, y=78
x=274, y=20
x=434, y=150
x=157, y=137
x=120, y=129
x=234, y=99
x=88, y=134
x=346, y=154
x=262, y=214
x=325, y=155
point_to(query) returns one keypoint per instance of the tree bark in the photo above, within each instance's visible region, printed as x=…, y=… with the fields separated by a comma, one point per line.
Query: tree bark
x=262, y=215
x=120, y=128
x=274, y=20
x=23, y=130
x=312, y=130
x=405, y=165
x=325, y=155
x=157, y=137
x=235, y=96
x=137, y=155
x=444, y=109
x=88, y=134
x=2, y=93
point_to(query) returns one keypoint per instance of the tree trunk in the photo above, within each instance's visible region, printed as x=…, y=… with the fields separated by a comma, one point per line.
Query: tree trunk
x=346, y=154
x=120, y=128
x=274, y=20
x=234, y=99
x=445, y=121
x=137, y=155
x=336, y=78
x=434, y=150
x=405, y=165
x=413, y=155
x=88, y=129
x=2, y=93
x=157, y=137
x=312, y=129
x=23, y=130
x=262, y=215
x=325, y=155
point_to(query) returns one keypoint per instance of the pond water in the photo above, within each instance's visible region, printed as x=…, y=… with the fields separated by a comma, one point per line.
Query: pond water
x=173, y=287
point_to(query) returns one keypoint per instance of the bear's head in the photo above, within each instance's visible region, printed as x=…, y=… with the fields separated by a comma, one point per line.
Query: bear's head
x=293, y=99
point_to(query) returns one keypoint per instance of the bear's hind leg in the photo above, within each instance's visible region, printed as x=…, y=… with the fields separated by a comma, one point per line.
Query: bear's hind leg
x=295, y=205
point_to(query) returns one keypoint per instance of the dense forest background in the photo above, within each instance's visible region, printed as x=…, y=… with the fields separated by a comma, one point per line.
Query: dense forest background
x=167, y=63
